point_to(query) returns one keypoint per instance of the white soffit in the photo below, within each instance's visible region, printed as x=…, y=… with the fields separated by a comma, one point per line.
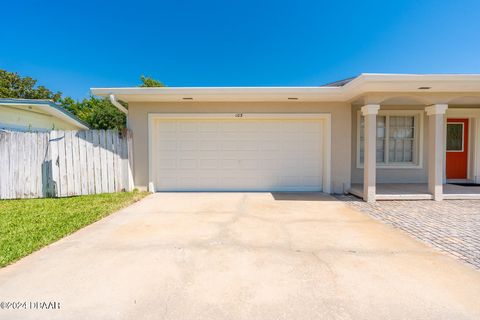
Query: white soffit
x=365, y=83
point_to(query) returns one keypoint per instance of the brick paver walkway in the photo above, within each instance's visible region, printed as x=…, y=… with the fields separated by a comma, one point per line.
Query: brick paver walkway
x=452, y=226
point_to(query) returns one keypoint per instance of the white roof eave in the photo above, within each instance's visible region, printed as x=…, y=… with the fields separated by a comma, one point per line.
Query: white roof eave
x=365, y=83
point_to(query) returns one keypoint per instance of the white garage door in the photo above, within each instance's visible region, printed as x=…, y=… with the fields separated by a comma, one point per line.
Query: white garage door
x=237, y=153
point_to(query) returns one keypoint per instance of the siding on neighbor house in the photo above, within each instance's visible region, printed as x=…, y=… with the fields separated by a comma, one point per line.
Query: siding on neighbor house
x=22, y=117
x=341, y=129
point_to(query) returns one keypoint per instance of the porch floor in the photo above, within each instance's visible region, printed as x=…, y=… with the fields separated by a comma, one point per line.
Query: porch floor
x=418, y=191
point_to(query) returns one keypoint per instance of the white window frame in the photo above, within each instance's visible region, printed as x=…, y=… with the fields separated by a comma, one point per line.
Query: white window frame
x=463, y=136
x=418, y=145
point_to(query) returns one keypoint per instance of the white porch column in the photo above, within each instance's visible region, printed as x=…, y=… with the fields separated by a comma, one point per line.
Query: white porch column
x=436, y=149
x=370, y=112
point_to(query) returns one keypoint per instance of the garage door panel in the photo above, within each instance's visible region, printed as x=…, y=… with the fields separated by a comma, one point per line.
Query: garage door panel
x=188, y=126
x=207, y=136
x=227, y=146
x=234, y=136
x=187, y=145
x=168, y=135
x=252, y=155
x=208, y=127
x=249, y=145
x=208, y=164
x=186, y=135
x=167, y=163
x=168, y=127
x=167, y=145
x=230, y=164
x=188, y=163
x=271, y=126
x=207, y=145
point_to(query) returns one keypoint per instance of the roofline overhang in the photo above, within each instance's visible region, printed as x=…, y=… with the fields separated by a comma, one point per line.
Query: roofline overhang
x=49, y=107
x=364, y=83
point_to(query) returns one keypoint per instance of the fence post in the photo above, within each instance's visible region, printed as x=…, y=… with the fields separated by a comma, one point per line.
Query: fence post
x=54, y=163
x=130, y=183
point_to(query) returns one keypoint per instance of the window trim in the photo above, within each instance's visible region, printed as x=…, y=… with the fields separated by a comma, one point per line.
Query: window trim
x=418, y=146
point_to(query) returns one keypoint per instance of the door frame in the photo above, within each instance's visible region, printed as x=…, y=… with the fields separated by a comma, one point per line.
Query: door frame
x=473, y=155
x=464, y=135
x=239, y=116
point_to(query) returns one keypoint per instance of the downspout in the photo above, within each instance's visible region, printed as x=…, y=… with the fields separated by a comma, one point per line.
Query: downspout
x=119, y=106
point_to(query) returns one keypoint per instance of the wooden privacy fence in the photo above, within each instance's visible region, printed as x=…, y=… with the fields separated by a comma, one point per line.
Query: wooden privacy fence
x=64, y=163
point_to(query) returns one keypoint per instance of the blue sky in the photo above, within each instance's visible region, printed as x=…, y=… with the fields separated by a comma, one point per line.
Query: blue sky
x=74, y=45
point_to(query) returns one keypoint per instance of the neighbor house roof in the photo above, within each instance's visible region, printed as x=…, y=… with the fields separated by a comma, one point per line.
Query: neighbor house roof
x=341, y=91
x=339, y=83
x=49, y=107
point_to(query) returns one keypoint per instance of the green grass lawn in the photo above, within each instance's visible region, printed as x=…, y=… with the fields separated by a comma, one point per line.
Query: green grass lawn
x=29, y=224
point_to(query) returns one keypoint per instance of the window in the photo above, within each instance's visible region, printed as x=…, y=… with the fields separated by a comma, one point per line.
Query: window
x=402, y=138
x=398, y=139
x=454, y=136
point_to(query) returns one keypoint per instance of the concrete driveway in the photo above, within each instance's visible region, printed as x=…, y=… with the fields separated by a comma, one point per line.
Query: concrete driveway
x=241, y=256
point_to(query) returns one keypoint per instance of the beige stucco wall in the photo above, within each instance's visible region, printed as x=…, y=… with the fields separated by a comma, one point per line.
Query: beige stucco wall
x=341, y=133
x=388, y=175
x=31, y=118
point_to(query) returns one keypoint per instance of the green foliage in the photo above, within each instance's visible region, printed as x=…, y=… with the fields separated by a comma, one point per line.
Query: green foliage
x=12, y=85
x=99, y=113
x=150, y=82
x=27, y=225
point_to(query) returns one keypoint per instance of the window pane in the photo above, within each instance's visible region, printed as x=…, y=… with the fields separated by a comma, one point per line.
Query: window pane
x=396, y=133
x=380, y=154
x=381, y=121
x=409, y=133
x=398, y=150
x=400, y=121
x=402, y=135
x=409, y=121
x=391, y=151
x=393, y=121
x=380, y=144
x=454, y=137
x=380, y=132
x=408, y=145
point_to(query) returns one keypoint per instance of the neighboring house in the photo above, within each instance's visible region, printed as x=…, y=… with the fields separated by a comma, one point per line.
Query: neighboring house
x=381, y=136
x=36, y=115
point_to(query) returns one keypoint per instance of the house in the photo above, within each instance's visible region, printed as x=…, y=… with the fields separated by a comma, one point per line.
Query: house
x=380, y=136
x=36, y=115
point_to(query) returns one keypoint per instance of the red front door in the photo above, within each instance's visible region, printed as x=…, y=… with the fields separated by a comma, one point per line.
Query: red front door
x=457, y=148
